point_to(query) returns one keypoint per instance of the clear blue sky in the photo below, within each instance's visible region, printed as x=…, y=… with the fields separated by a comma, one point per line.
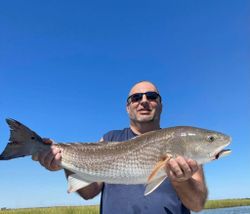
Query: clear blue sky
x=66, y=68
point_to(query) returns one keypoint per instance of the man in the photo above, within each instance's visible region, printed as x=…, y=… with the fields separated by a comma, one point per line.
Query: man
x=185, y=188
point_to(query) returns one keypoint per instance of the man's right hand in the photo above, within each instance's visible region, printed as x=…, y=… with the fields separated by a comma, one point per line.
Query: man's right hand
x=49, y=159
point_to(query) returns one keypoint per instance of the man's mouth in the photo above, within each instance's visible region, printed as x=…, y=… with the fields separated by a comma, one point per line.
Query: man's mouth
x=144, y=111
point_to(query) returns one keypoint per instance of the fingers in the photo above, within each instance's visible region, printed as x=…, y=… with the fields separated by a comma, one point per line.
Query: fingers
x=35, y=157
x=50, y=159
x=193, y=165
x=47, y=141
x=181, y=169
x=47, y=158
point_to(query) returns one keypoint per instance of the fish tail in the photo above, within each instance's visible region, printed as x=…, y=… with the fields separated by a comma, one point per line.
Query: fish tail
x=22, y=142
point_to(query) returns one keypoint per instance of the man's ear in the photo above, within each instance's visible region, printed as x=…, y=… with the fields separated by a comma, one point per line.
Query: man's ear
x=161, y=108
x=127, y=108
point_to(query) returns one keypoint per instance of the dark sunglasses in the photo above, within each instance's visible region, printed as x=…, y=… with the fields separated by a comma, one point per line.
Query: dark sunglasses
x=151, y=95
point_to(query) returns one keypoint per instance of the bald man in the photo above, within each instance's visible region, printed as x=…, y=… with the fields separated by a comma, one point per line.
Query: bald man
x=184, y=189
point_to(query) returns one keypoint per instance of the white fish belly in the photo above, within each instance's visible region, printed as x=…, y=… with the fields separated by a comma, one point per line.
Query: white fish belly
x=117, y=174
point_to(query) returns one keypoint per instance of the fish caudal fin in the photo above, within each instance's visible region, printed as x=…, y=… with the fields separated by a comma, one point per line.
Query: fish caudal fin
x=22, y=142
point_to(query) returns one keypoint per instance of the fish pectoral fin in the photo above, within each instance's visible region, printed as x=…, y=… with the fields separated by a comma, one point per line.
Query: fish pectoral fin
x=75, y=183
x=150, y=187
x=158, y=166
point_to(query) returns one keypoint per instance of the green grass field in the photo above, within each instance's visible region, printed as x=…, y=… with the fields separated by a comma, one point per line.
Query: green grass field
x=95, y=209
x=212, y=204
x=55, y=210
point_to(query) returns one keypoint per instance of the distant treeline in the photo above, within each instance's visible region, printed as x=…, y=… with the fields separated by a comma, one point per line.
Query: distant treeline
x=211, y=204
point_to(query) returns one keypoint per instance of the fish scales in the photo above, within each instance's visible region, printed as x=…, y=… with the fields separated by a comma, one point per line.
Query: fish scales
x=136, y=160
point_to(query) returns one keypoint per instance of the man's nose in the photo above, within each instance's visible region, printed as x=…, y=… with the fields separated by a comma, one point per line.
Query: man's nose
x=144, y=99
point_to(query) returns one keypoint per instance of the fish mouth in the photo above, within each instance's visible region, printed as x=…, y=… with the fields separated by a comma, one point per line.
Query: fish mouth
x=222, y=153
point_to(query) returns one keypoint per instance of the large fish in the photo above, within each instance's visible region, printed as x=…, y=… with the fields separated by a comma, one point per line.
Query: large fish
x=140, y=160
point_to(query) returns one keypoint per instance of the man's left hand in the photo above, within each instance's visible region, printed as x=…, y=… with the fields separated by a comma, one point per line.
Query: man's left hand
x=181, y=169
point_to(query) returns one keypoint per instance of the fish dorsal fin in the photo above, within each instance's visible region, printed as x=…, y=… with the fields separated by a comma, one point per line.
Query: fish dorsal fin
x=75, y=183
x=150, y=187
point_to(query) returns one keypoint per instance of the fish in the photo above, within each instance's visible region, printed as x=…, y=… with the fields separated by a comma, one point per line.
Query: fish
x=140, y=160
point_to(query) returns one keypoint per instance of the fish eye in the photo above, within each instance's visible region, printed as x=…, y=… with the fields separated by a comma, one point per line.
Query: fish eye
x=210, y=139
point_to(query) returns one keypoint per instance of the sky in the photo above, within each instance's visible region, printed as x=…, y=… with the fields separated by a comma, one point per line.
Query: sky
x=66, y=68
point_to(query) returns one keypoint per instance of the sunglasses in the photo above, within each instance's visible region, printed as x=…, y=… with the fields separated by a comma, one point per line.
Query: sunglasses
x=151, y=96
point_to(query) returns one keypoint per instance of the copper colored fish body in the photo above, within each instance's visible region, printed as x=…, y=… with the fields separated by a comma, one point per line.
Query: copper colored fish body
x=136, y=161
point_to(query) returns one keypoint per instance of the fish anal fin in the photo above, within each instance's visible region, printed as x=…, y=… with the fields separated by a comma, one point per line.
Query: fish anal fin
x=158, y=166
x=150, y=187
x=75, y=183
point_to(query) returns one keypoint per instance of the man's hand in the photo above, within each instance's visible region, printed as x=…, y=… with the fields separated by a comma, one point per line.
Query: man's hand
x=181, y=169
x=49, y=159
x=187, y=178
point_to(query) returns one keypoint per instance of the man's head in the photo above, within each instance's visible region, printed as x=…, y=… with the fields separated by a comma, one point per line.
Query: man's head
x=144, y=107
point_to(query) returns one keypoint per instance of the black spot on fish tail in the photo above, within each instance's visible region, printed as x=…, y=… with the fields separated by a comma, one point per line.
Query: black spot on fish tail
x=217, y=156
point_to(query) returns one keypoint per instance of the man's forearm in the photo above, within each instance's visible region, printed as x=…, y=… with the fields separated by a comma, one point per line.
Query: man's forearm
x=192, y=193
x=188, y=180
x=89, y=191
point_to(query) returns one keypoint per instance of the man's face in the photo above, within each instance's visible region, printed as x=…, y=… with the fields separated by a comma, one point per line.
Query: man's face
x=144, y=110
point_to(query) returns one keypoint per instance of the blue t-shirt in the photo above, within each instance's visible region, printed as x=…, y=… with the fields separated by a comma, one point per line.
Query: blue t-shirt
x=130, y=199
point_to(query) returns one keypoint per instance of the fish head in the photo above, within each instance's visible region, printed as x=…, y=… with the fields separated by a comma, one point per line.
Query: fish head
x=202, y=145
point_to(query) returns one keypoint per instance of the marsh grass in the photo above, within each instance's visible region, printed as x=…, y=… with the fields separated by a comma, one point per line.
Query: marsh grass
x=211, y=204
x=55, y=210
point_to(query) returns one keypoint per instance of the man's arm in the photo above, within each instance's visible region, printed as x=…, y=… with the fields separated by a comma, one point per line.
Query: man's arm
x=51, y=161
x=188, y=180
x=89, y=191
